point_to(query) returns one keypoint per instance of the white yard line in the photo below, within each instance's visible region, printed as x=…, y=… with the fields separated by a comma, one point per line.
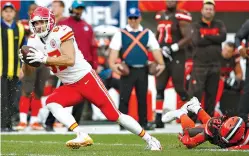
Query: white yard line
x=60, y=142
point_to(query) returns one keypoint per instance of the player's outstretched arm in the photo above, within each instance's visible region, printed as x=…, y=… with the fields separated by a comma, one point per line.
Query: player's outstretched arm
x=67, y=57
x=192, y=142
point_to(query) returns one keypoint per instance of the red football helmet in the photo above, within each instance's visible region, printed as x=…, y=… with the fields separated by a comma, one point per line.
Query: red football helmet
x=232, y=130
x=42, y=13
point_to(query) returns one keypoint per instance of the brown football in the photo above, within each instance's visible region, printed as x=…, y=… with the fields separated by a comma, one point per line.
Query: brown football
x=125, y=71
x=25, y=50
x=152, y=68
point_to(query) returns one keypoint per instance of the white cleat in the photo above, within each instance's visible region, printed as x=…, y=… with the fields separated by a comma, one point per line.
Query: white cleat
x=169, y=116
x=173, y=115
x=193, y=105
x=81, y=141
x=154, y=145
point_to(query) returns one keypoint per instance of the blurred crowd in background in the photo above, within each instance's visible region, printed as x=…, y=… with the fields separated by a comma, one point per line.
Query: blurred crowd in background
x=217, y=80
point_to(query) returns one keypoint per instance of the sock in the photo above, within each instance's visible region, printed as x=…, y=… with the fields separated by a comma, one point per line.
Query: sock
x=145, y=136
x=74, y=127
x=132, y=125
x=23, y=117
x=186, y=122
x=63, y=116
x=203, y=116
x=24, y=105
x=35, y=106
x=159, y=106
x=33, y=119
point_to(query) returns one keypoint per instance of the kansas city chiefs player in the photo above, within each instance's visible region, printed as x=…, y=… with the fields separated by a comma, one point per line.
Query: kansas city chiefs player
x=55, y=46
x=225, y=132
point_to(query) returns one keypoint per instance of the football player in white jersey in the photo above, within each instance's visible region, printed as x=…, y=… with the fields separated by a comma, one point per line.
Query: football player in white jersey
x=55, y=46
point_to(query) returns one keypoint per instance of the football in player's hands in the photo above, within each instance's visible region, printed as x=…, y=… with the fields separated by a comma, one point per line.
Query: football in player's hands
x=124, y=70
x=25, y=50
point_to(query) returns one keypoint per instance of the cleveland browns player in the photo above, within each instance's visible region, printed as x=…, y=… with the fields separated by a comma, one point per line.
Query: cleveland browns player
x=173, y=34
x=225, y=132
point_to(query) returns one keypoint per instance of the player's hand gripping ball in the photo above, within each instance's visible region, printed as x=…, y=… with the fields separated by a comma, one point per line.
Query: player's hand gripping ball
x=23, y=56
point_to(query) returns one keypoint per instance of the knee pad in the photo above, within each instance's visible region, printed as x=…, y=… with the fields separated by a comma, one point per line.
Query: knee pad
x=160, y=95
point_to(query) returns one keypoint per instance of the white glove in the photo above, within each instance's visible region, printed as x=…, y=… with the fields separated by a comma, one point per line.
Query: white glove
x=37, y=56
x=167, y=52
x=20, y=55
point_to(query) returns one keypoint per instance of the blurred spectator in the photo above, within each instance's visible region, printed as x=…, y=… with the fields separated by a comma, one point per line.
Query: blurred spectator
x=173, y=34
x=58, y=7
x=12, y=38
x=229, y=86
x=242, y=34
x=129, y=44
x=32, y=90
x=208, y=34
x=84, y=36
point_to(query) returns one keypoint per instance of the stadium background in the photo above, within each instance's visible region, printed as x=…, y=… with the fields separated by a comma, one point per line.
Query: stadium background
x=99, y=13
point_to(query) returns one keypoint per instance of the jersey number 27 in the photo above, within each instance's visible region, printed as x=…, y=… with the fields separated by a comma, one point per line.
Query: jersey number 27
x=55, y=69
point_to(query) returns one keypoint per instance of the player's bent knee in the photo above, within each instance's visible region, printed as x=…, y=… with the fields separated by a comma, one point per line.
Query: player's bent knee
x=51, y=100
x=53, y=107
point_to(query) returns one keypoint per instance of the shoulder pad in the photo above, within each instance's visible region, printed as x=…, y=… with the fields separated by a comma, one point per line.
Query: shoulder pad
x=183, y=11
x=183, y=15
x=63, y=32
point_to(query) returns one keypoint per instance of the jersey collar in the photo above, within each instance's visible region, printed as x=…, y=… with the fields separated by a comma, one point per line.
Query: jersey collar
x=130, y=29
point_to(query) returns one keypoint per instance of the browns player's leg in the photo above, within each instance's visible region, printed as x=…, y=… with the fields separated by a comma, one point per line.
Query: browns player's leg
x=203, y=116
x=94, y=90
x=65, y=96
x=194, y=106
x=161, y=82
x=178, y=69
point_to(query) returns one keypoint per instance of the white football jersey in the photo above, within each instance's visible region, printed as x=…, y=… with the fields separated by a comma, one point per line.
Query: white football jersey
x=52, y=47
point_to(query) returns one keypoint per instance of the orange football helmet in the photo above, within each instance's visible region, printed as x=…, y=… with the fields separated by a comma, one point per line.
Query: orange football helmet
x=232, y=130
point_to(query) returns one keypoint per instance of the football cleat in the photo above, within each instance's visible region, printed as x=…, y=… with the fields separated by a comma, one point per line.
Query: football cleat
x=154, y=145
x=80, y=141
x=173, y=115
x=21, y=126
x=193, y=105
x=36, y=126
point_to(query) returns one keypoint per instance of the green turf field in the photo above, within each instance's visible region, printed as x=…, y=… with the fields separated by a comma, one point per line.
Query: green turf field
x=106, y=145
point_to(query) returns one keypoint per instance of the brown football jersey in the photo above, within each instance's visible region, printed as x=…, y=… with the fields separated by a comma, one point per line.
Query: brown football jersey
x=168, y=30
